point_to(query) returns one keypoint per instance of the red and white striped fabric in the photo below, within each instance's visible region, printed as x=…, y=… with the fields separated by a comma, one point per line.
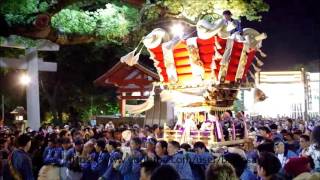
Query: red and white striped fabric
x=209, y=50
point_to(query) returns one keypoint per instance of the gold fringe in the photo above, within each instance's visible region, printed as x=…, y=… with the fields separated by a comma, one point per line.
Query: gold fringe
x=221, y=109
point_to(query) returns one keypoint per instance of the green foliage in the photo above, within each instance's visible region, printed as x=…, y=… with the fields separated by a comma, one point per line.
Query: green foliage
x=238, y=105
x=11, y=52
x=196, y=9
x=2, y=39
x=100, y=109
x=72, y=84
x=27, y=42
x=47, y=118
x=13, y=19
x=19, y=6
x=22, y=11
x=43, y=6
x=73, y=21
x=19, y=40
x=4, y=70
x=110, y=23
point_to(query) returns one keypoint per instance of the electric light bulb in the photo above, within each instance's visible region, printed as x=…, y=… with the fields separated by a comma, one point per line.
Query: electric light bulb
x=25, y=79
x=177, y=30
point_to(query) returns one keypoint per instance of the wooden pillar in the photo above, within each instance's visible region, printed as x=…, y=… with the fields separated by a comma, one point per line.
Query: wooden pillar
x=122, y=104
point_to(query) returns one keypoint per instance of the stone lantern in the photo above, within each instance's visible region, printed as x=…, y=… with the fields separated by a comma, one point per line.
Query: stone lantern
x=19, y=113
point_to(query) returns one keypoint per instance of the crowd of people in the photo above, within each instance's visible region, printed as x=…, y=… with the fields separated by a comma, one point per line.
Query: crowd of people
x=283, y=149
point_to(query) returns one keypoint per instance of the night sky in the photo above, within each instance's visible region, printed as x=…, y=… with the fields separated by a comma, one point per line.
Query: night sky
x=293, y=29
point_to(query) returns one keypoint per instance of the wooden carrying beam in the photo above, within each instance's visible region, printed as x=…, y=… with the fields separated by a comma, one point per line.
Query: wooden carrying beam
x=209, y=139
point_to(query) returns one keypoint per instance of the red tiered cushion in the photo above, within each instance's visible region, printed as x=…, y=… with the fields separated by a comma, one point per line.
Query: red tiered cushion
x=249, y=62
x=222, y=43
x=158, y=53
x=206, y=53
x=234, y=61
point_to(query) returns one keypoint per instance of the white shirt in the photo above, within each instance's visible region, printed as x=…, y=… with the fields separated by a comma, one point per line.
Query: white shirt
x=189, y=123
x=282, y=159
x=315, y=154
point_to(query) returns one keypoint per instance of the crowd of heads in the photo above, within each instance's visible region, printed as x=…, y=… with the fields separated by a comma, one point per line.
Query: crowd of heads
x=283, y=149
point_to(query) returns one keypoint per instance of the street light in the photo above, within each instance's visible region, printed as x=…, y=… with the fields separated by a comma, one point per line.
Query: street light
x=25, y=79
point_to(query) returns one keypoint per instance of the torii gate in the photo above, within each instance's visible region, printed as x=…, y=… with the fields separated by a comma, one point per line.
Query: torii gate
x=33, y=65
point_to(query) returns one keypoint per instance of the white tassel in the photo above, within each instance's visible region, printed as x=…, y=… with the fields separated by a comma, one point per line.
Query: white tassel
x=261, y=37
x=217, y=55
x=132, y=57
x=213, y=64
x=260, y=63
x=216, y=42
x=262, y=53
x=129, y=58
x=251, y=74
x=247, y=80
x=256, y=68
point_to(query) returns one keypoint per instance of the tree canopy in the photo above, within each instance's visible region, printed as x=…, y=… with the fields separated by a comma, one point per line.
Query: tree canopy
x=98, y=30
x=83, y=21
